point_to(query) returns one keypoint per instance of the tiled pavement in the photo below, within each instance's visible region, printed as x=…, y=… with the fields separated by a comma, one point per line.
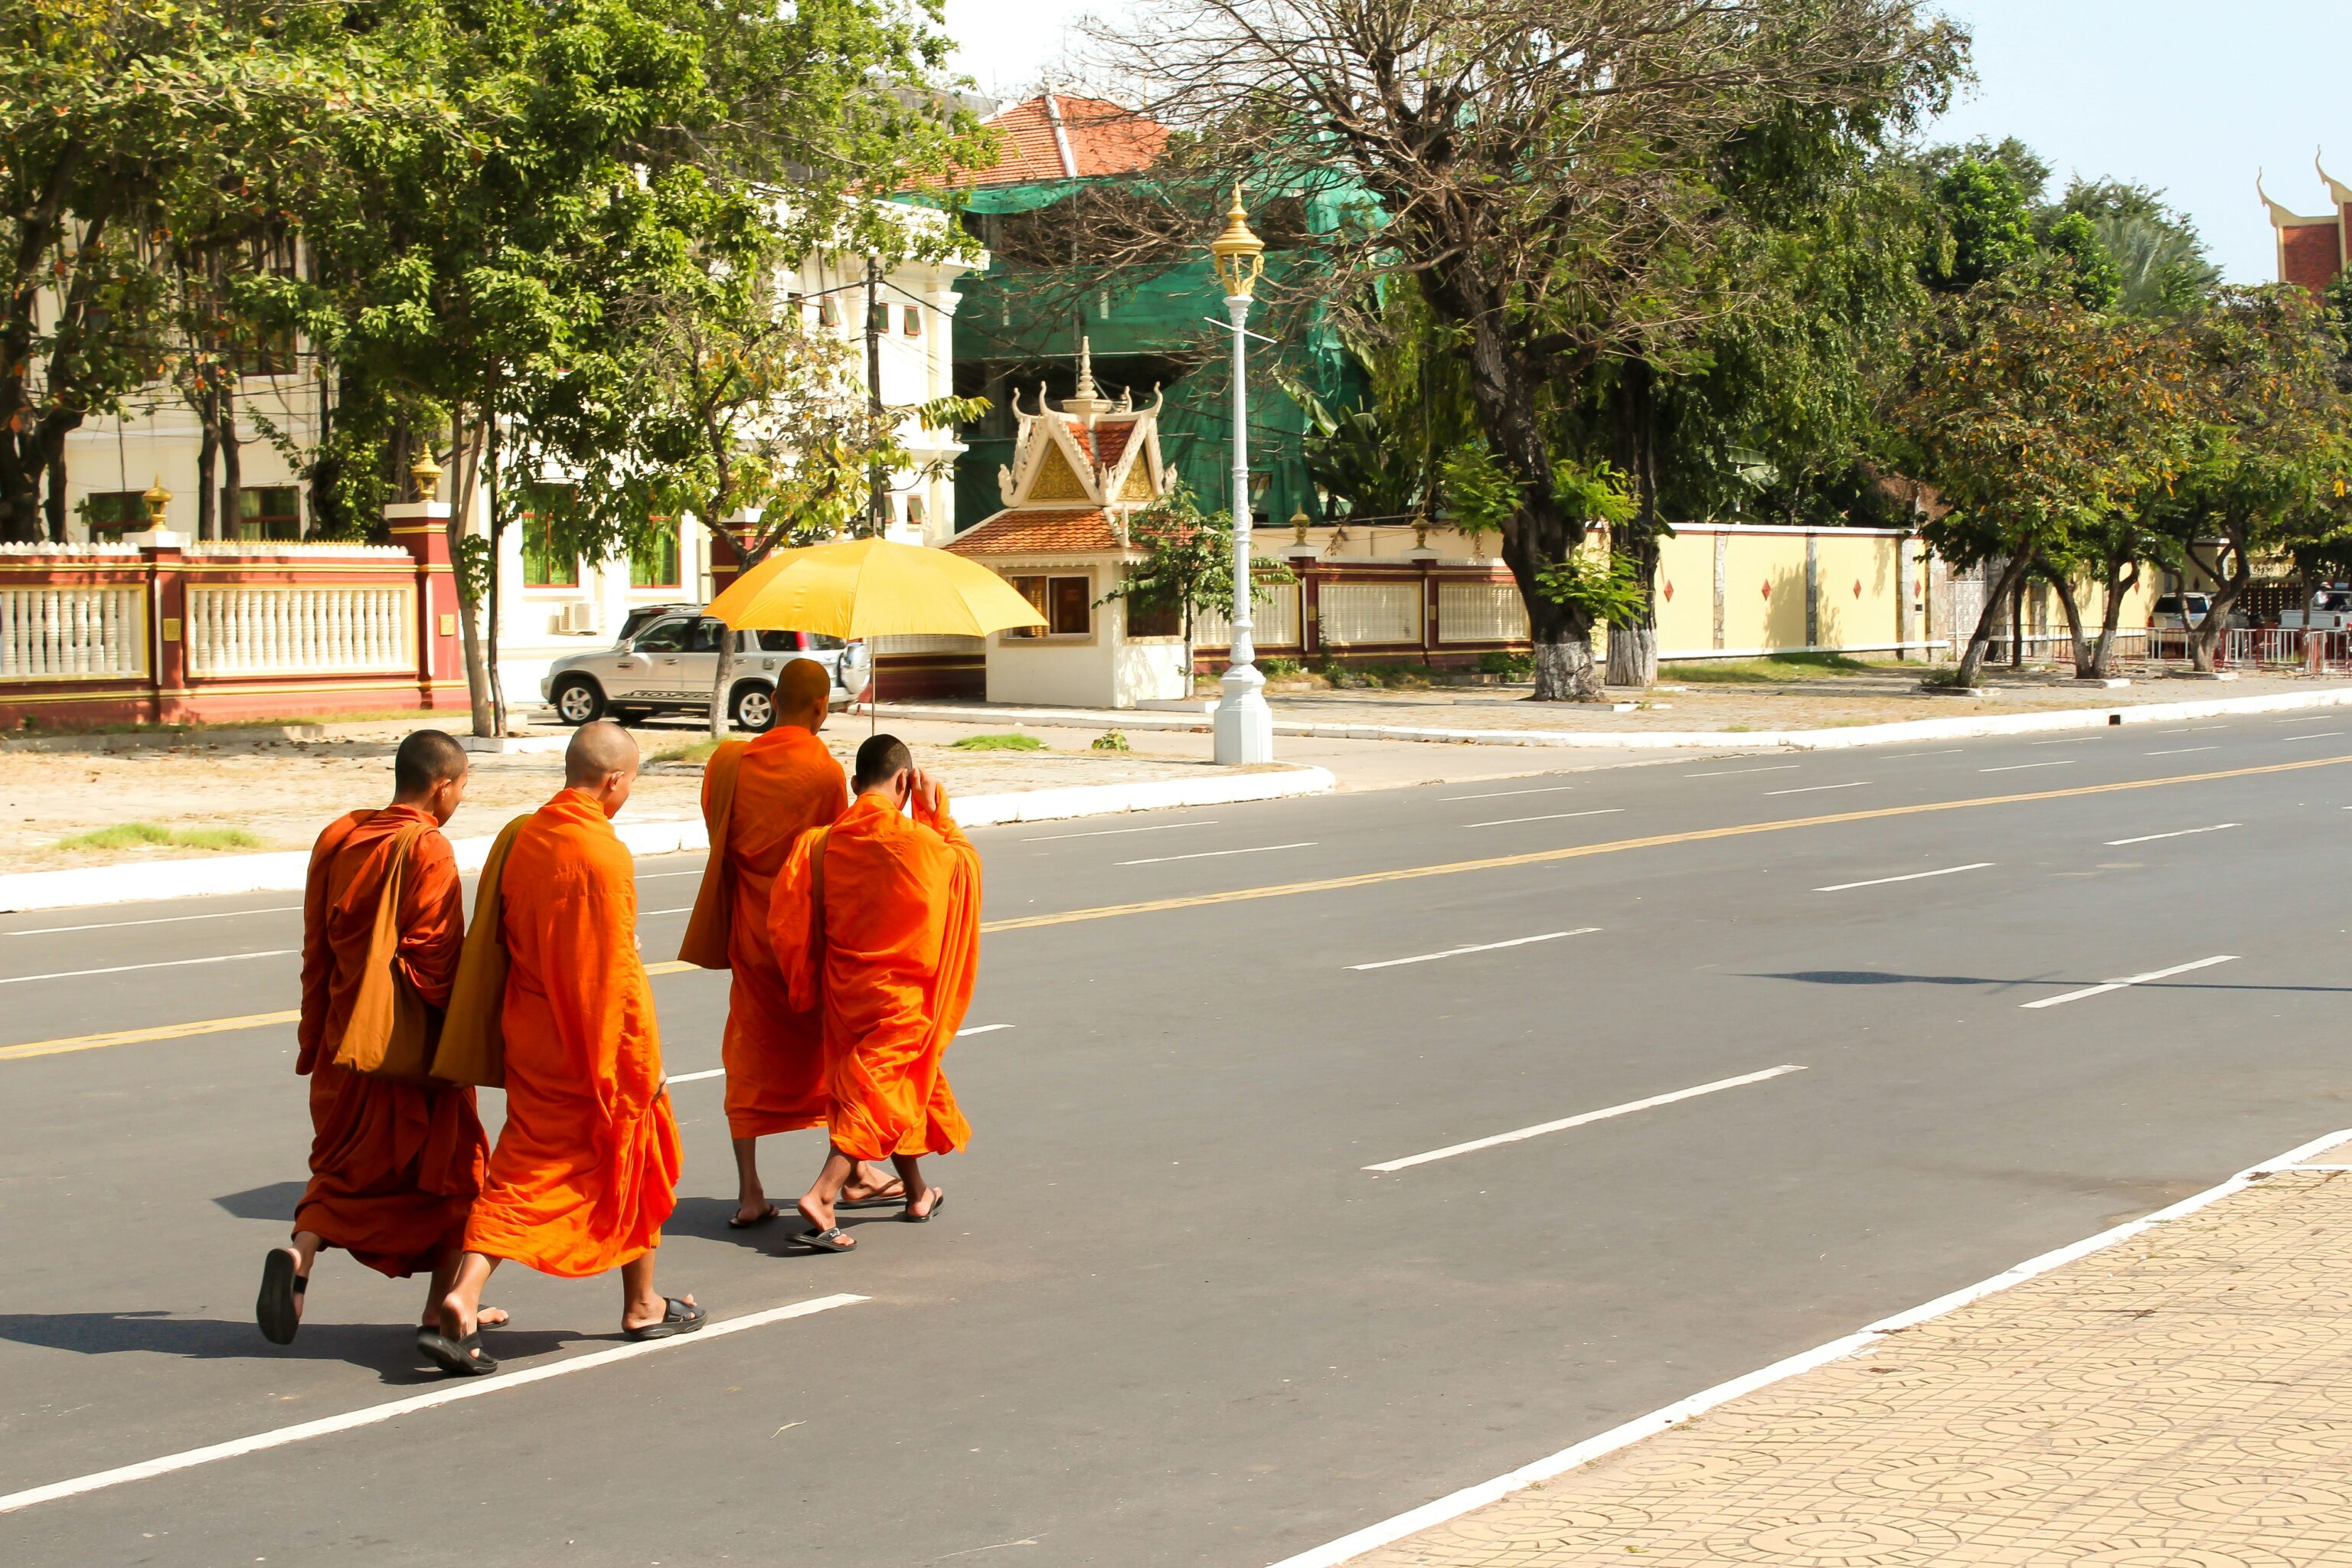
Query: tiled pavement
x=2182, y=1399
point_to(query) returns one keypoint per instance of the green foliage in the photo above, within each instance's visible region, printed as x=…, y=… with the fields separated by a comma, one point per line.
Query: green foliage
x=1759, y=671
x=1610, y=590
x=1988, y=221
x=1188, y=558
x=147, y=835
x=999, y=743
x=1510, y=666
x=1277, y=668
x=1110, y=740
x=2160, y=263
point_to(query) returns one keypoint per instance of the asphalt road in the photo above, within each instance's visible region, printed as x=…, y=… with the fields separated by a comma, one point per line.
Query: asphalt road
x=1169, y=1316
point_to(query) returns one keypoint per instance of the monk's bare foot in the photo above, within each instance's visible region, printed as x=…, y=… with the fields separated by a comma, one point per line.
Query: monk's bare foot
x=924, y=1199
x=820, y=1216
x=488, y=1318
x=754, y=1209
x=868, y=1185
x=644, y=1314
x=454, y=1322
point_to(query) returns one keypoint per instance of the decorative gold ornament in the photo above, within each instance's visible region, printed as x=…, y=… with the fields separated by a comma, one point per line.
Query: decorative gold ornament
x=157, y=498
x=427, y=475
x=1298, y=524
x=1239, y=255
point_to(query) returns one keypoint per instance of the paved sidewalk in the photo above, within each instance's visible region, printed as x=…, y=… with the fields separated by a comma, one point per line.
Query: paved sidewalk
x=2182, y=1399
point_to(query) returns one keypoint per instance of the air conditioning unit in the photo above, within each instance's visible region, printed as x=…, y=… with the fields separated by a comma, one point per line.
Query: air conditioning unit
x=578, y=618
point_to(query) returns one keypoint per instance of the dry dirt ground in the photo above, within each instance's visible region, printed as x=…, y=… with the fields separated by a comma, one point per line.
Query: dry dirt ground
x=282, y=791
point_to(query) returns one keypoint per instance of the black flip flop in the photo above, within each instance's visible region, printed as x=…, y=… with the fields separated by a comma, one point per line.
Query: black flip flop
x=832, y=1238
x=281, y=1289
x=458, y=1358
x=733, y=1223
x=678, y=1317
x=939, y=1202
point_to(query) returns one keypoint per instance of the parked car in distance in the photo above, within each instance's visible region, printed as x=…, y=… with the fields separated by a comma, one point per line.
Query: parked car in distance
x=2330, y=611
x=2177, y=612
x=668, y=662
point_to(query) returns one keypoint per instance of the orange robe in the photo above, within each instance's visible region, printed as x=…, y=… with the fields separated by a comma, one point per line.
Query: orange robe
x=786, y=783
x=585, y=1170
x=394, y=1166
x=890, y=957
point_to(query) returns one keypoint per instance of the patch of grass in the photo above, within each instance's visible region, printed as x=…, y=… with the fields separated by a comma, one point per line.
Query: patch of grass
x=141, y=835
x=1281, y=669
x=1509, y=666
x=697, y=752
x=1375, y=676
x=999, y=743
x=1760, y=671
x=1112, y=741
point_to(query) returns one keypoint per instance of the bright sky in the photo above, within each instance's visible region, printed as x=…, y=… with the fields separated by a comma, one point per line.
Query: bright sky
x=2193, y=96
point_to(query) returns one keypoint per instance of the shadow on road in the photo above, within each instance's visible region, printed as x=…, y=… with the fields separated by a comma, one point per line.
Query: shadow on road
x=276, y=1201
x=389, y=1349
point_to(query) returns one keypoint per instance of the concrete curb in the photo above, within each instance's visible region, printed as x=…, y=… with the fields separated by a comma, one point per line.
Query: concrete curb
x=284, y=871
x=1910, y=731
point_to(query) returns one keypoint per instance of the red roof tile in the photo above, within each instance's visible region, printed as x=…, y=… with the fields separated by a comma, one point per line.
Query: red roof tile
x=1111, y=435
x=1042, y=531
x=1104, y=139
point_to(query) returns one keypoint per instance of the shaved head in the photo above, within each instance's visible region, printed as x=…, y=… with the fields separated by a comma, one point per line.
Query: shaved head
x=803, y=693
x=880, y=759
x=424, y=760
x=597, y=751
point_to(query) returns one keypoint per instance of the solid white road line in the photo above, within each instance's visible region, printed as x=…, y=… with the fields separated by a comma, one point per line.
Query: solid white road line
x=2314, y=735
x=1481, y=947
x=657, y=876
x=1554, y=816
x=1332, y=1555
x=981, y=1029
x=2184, y=833
x=1735, y=772
x=1566, y=1123
x=1947, y=751
x=2021, y=767
x=1212, y=854
x=2130, y=980
x=168, y=964
x=448, y=1393
x=159, y=921
x=1816, y=789
x=1108, y=832
x=2180, y=751
x=1914, y=877
x=1499, y=793
x=649, y=914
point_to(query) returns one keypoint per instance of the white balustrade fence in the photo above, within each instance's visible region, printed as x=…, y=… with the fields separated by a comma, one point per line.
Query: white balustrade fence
x=1360, y=614
x=1481, y=612
x=72, y=631
x=297, y=630
x=1273, y=620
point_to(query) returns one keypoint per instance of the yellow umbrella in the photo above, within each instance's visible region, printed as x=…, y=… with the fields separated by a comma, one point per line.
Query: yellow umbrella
x=860, y=588
x=857, y=588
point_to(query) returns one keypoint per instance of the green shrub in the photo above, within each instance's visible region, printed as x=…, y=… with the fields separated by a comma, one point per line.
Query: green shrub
x=1112, y=741
x=999, y=743
x=139, y=834
x=1280, y=668
x=1510, y=666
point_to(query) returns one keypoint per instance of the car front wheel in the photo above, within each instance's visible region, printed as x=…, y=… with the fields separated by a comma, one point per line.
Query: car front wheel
x=754, y=708
x=579, y=701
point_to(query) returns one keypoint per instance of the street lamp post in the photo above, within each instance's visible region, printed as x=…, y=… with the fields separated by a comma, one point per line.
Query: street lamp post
x=1245, y=725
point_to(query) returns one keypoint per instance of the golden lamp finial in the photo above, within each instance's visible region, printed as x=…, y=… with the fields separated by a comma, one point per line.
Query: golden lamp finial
x=1240, y=256
x=157, y=498
x=427, y=475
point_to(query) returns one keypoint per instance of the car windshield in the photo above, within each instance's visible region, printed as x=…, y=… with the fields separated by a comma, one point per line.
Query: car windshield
x=662, y=637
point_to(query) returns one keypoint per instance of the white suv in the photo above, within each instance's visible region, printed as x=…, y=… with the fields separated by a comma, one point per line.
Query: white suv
x=672, y=662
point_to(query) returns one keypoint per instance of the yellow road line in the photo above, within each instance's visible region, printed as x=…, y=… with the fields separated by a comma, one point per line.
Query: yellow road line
x=134, y=1036
x=1616, y=846
x=1325, y=885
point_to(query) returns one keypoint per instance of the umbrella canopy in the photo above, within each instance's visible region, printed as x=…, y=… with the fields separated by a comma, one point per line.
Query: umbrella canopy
x=858, y=588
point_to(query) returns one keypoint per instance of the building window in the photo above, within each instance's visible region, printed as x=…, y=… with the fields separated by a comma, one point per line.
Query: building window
x=1066, y=603
x=542, y=567
x=112, y=512
x=828, y=315
x=653, y=560
x=913, y=321
x=1158, y=617
x=270, y=512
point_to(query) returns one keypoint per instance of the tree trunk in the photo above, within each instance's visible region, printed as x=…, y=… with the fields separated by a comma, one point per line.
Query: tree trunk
x=2086, y=659
x=498, y=529
x=56, y=504
x=719, y=717
x=1633, y=656
x=231, y=489
x=2122, y=578
x=465, y=455
x=207, y=460
x=1634, y=642
x=1988, y=622
x=2227, y=592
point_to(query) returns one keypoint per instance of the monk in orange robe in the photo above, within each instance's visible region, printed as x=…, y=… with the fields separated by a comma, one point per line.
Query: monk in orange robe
x=393, y=1166
x=876, y=922
x=586, y=1167
x=758, y=798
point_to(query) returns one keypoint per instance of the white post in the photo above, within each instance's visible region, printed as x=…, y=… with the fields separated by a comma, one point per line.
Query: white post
x=1245, y=725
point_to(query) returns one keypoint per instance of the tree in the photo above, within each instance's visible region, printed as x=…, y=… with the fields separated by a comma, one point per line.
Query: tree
x=2160, y=263
x=1188, y=561
x=2034, y=416
x=2270, y=456
x=1536, y=170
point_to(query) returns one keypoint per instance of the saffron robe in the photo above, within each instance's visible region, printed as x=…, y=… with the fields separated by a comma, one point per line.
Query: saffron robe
x=757, y=800
x=586, y=1167
x=884, y=936
x=394, y=1166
